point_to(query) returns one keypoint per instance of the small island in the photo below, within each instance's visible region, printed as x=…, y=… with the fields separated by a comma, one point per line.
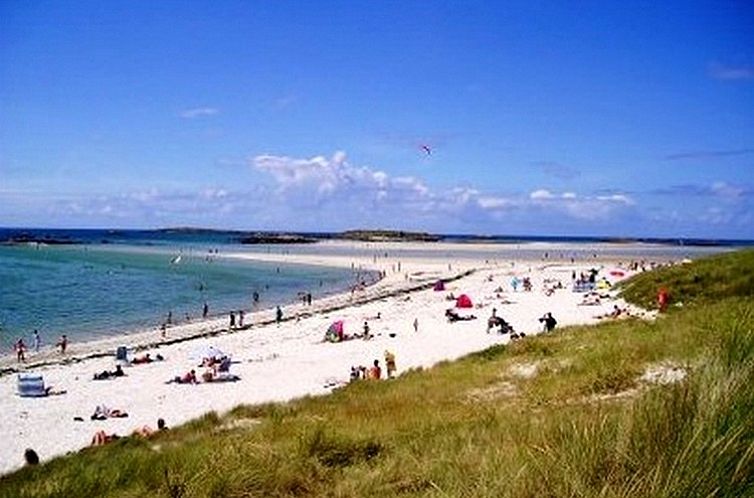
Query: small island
x=275, y=238
x=388, y=236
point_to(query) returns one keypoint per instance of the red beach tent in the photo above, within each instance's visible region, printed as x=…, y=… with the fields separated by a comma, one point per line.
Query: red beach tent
x=464, y=301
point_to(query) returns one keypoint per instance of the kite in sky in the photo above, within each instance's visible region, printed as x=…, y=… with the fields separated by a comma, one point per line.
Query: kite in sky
x=426, y=149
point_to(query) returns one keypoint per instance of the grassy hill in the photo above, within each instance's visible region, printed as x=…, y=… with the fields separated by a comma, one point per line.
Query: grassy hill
x=566, y=414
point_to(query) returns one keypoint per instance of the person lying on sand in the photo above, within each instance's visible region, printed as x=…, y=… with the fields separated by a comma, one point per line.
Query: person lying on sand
x=102, y=412
x=101, y=438
x=616, y=313
x=591, y=299
x=147, y=358
x=188, y=378
x=105, y=374
x=453, y=316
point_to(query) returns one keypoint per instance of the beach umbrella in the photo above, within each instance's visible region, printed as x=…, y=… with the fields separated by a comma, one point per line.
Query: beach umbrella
x=206, y=351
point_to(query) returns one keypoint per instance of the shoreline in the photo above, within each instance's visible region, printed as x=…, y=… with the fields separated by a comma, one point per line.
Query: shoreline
x=280, y=362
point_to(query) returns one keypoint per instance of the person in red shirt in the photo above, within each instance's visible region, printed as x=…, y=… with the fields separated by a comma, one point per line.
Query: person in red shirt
x=375, y=373
x=662, y=299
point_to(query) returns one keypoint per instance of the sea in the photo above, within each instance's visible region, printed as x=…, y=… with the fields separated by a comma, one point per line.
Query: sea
x=104, y=285
x=93, y=284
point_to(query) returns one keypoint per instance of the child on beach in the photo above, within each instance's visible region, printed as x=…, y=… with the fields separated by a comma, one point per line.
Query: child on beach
x=390, y=364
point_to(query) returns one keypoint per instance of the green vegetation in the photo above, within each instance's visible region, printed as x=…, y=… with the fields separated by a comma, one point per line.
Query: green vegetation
x=707, y=280
x=550, y=416
x=388, y=236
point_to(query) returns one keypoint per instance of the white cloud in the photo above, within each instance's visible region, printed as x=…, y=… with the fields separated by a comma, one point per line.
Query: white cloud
x=541, y=194
x=726, y=190
x=495, y=202
x=197, y=112
x=619, y=198
x=318, y=178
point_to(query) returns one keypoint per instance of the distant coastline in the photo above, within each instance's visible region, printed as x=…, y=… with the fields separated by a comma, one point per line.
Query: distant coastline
x=60, y=236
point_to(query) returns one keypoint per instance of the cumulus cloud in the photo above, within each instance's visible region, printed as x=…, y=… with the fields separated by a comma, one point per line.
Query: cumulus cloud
x=321, y=182
x=594, y=207
x=196, y=112
x=540, y=194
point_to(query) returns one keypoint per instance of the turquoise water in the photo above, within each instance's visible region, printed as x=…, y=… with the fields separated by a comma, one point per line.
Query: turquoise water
x=90, y=292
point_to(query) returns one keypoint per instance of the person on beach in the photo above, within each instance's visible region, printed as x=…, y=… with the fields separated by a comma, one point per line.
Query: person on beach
x=375, y=373
x=278, y=315
x=188, y=378
x=232, y=320
x=163, y=330
x=37, y=341
x=20, y=348
x=169, y=320
x=366, y=335
x=30, y=457
x=146, y=431
x=205, y=310
x=63, y=343
x=416, y=325
x=390, y=364
x=101, y=438
x=549, y=322
x=663, y=297
x=240, y=319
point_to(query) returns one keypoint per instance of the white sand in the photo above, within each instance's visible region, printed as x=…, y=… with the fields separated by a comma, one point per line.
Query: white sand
x=278, y=363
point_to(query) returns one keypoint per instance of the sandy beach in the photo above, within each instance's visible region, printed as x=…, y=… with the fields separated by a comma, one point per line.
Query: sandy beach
x=277, y=362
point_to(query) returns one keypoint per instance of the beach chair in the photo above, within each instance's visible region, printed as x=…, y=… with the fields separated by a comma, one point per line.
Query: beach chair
x=31, y=385
x=121, y=356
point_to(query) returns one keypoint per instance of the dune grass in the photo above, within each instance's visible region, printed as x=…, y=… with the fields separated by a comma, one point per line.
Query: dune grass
x=559, y=415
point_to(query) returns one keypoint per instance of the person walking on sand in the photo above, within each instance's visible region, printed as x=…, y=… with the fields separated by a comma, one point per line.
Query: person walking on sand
x=37, y=341
x=240, y=319
x=205, y=310
x=278, y=315
x=63, y=343
x=232, y=320
x=416, y=325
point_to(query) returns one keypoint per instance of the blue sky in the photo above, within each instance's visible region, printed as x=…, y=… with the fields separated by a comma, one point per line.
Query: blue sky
x=602, y=118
